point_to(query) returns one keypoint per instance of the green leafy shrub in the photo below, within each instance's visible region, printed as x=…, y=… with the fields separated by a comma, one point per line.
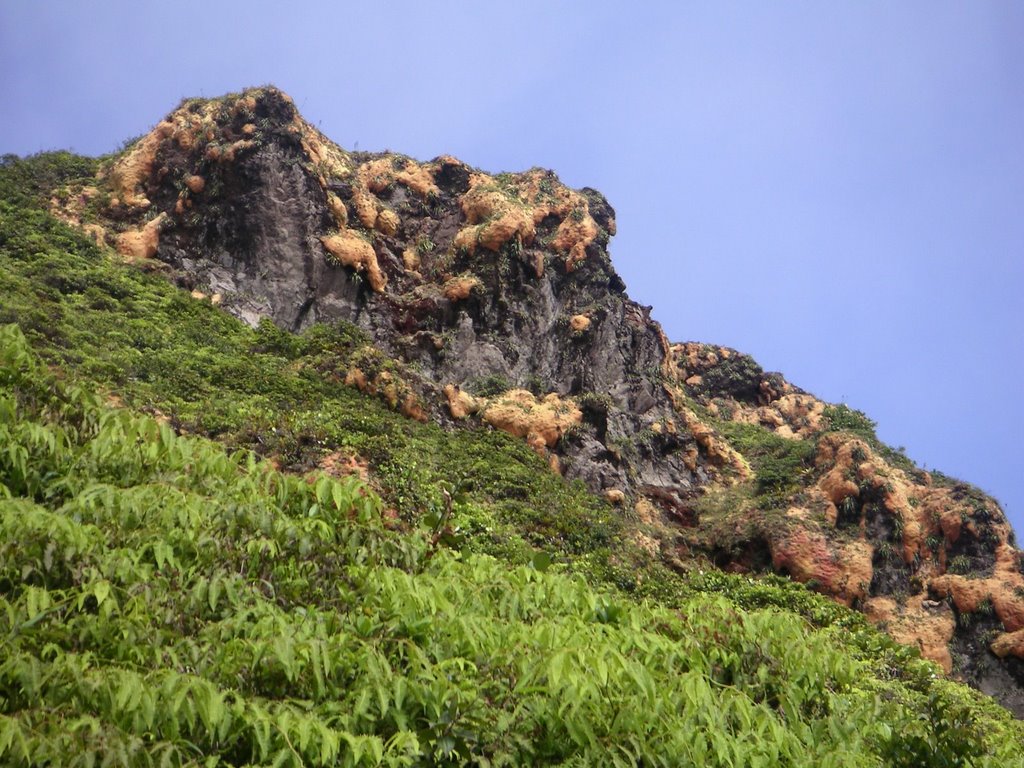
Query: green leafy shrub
x=489, y=386
x=842, y=418
x=165, y=601
x=35, y=179
x=737, y=376
x=780, y=464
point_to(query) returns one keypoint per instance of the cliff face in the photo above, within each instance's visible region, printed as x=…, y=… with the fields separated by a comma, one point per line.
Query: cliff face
x=497, y=297
x=496, y=292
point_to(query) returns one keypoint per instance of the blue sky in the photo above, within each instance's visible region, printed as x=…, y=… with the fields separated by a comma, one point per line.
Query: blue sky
x=834, y=188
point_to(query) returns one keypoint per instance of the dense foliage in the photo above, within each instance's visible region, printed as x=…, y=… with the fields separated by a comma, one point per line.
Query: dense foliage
x=164, y=602
x=167, y=602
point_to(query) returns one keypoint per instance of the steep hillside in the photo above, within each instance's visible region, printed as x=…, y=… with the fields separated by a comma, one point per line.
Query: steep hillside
x=491, y=300
x=167, y=603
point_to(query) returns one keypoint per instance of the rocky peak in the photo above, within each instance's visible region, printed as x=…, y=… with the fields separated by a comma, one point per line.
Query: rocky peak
x=495, y=300
x=490, y=289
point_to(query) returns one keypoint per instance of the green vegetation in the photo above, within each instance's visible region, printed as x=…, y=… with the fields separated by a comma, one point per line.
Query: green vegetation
x=165, y=602
x=169, y=602
x=737, y=375
x=842, y=418
x=489, y=386
x=780, y=465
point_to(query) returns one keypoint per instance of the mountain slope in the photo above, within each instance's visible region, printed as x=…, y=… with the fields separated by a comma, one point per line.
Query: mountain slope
x=496, y=303
x=168, y=603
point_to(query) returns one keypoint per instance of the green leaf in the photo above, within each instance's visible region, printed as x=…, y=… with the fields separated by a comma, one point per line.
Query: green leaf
x=330, y=745
x=213, y=594
x=338, y=495
x=304, y=732
x=540, y=561
x=376, y=749
x=37, y=601
x=284, y=651
x=101, y=591
x=129, y=693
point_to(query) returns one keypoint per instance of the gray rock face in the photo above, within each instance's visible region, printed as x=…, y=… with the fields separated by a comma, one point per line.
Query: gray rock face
x=260, y=248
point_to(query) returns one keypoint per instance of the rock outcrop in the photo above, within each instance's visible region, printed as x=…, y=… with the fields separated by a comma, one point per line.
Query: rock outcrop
x=494, y=300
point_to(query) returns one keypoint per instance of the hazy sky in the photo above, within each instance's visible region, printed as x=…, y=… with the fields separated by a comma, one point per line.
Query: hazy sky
x=834, y=188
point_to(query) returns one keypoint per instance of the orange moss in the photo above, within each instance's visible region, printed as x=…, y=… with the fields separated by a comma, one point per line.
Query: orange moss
x=929, y=629
x=387, y=222
x=711, y=444
x=615, y=496
x=842, y=570
x=244, y=104
x=573, y=237
x=461, y=404
x=1004, y=590
x=96, y=233
x=418, y=178
x=1009, y=644
x=215, y=298
x=411, y=259
x=926, y=514
x=70, y=208
x=374, y=177
x=136, y=244
x=494, y=217
x=366, y=207
x=378, y=174
x=356, y=378
x=327, y=158
x=579, y=323
x=353, y=251
x=391, y=389
x=836, y=483
x=196, y=124
x=135, y=168
x=412, y=408
x=459, y=288
x=338, y=210
x=782, y=409
x=577, y=229
x=929, y=518
x=802, y=414
x=499, y=212
x=792, y=416
x=852, y=466
x=344, y=464
x=542, y=422
x=226, y=153
x=923, y=513
x=538, y=264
